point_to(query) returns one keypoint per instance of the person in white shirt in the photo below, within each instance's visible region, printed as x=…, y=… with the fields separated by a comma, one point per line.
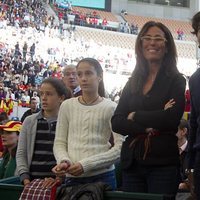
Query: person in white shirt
x=25, y=97
x=81, y=147
x=35, y=95
x=10, y=94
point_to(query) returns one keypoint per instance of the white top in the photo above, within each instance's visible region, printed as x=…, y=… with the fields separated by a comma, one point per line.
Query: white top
x=82, y=135
x=183, y=147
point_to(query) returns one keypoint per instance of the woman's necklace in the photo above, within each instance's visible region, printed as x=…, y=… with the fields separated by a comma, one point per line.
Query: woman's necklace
x=90, y=102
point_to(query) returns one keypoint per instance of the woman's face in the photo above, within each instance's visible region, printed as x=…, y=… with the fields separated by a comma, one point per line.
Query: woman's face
x=88, y=78
x=154, y=44
x=9, y=139
x=50, y=100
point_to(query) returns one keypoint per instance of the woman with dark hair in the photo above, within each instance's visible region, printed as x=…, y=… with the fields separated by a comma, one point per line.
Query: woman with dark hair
x=2, y=94
x=148, y=113
x=38, y=132
x=82, y=148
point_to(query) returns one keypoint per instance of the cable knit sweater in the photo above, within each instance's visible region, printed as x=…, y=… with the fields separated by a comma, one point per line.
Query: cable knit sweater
x=83, y=133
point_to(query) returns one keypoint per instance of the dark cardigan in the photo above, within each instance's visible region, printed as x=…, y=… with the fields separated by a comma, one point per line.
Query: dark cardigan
x=150, y=113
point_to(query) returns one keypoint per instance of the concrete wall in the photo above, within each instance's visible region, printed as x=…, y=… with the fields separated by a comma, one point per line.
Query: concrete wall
x=153, y=10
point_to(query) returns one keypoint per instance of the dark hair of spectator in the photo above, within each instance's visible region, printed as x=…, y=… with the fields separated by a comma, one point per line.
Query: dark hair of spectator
x=169, y=63
x=196, y=23
x=93, y=62
x=32, y=99
x=59, y=87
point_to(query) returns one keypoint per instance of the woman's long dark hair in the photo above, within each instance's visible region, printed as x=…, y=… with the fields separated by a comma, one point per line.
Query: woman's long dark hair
x=169, y=63
x=93, y=62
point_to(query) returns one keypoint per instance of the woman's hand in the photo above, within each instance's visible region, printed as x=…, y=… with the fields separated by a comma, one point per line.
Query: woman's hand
x=75, y=169
x=50, y=182
x=131, y=116
x=149, y=130
x=169, y=104
x=61, y=169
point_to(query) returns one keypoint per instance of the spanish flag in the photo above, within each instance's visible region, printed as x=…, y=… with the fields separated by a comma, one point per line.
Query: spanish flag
x=10, y=106
x=1, y=106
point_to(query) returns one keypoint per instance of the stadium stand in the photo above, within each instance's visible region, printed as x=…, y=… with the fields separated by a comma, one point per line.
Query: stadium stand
x=173, y=25
x=103, y=14
x=185, y=49
x=106, y=37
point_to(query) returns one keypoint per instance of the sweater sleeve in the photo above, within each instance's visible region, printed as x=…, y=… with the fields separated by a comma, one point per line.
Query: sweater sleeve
x=61, y=138
x=21, y=155
x=166, y=119
x=120, y=123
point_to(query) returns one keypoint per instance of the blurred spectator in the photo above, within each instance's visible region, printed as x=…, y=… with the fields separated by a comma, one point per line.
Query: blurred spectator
x=124, y=12
x=9, y=133
x=25, y=49
x=10, y=94
x=2, y=94
x=32, y=51
x=70, y=79
x=33, y=109
x=17, y=51
x=3, y=117
x=104, y=24
x=25, y=97
x=182, y=134
x=134, y=29
x=180, y=34
x=36, y=97
x=82, y=19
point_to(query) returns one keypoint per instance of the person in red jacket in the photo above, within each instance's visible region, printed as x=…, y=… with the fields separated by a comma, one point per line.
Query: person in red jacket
x=187, y=100
x=104, y=24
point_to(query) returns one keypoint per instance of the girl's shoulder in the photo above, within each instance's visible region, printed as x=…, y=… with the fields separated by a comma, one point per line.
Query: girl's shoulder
x=73, y=100
x=109, y=103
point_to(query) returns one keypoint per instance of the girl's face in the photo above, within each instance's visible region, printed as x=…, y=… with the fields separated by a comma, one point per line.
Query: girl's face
x=88, y=78
x=50, y=100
